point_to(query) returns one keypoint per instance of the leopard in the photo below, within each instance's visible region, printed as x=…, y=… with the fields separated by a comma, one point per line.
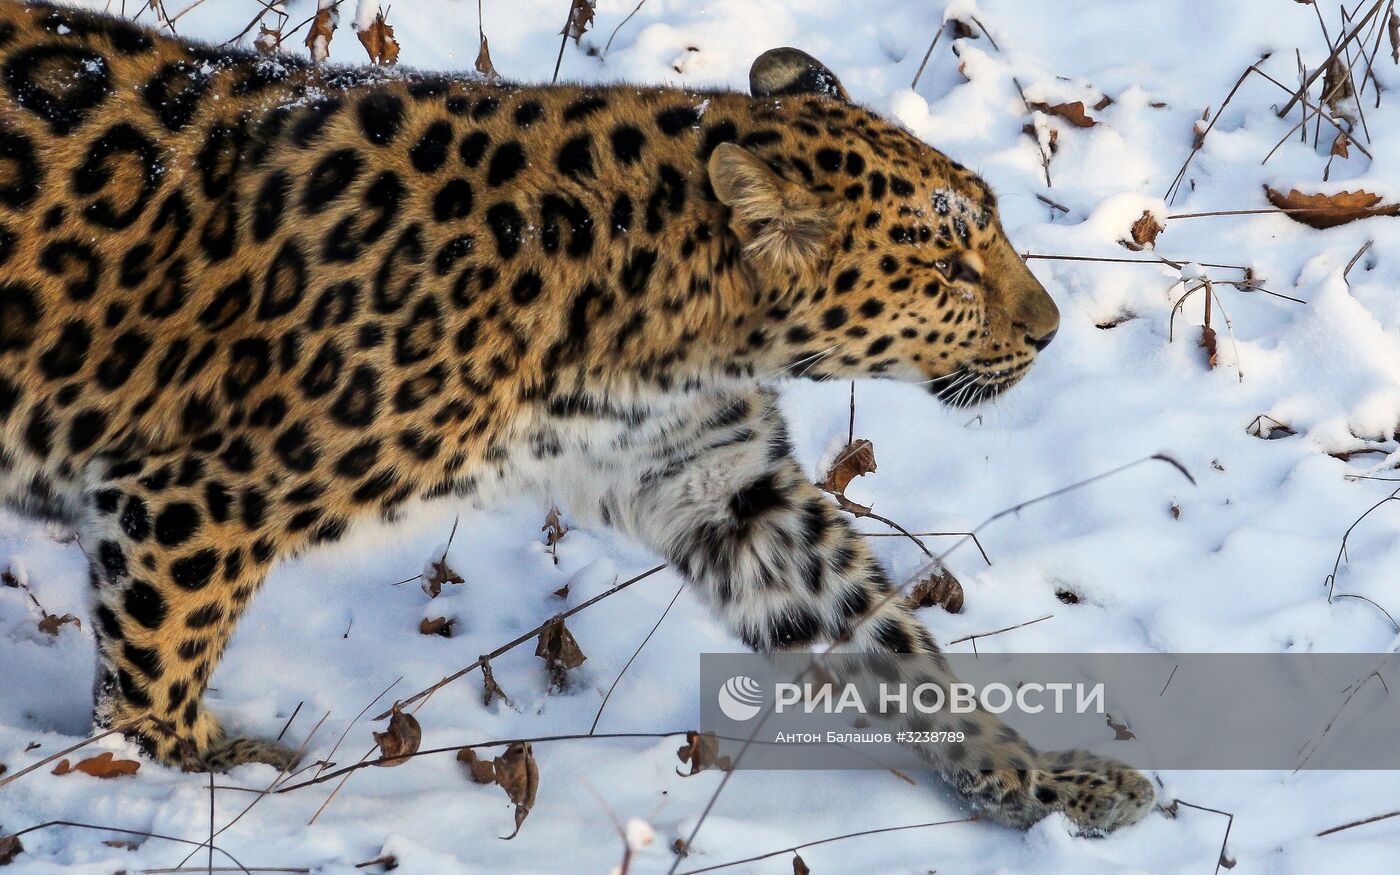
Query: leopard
x=247, y=300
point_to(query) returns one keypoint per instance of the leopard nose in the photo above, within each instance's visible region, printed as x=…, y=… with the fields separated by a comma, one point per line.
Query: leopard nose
x=1044, y=340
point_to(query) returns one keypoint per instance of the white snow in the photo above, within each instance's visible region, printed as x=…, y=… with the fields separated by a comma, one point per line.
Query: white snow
x=1239, y=567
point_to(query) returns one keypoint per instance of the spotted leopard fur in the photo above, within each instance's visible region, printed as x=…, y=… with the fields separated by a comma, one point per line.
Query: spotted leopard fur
x=245, y=301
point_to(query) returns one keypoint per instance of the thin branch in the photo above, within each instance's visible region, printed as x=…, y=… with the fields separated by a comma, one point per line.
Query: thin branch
x=521, y=640
x=1307, y=83
x=635, y=10
x=850, y=835
x=974, y=638
x=635, y=654
x=130, y=832
x=937, y=35
x=1229, y=823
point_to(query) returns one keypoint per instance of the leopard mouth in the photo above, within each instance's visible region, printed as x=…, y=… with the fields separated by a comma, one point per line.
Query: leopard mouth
x=968, y=387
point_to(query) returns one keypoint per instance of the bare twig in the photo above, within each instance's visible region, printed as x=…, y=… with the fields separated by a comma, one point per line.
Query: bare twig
x=1307, y=83
x=635, y=654
x=973, y=638
x=1230, y=822
x=850, y=835
x=635, y=10
x=530, y=635
x=937, y=35
x=130, y=832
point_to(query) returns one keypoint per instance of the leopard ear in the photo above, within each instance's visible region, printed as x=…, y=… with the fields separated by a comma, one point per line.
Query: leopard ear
x=792, y=71
x=783, y=226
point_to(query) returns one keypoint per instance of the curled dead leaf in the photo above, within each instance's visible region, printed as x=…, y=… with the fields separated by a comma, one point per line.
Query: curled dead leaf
x=1121, y=732
x=939, y=589
x=519, y=775
x=1144, y=232
x=554, y=532
x=1053, y=139
x=401, y=740
x=491, y=689
x=701, y=751
x=580, y=17
x=799, y=866
x=481, y=771
x=104, y=765
x=1330, y=210
x=52, y=623
x=10, y=847
x=436, y=626
x=268, y=41
x=483, y=60
x=378, y=40
x=439, y=573
x=559, y=650
x=318, y=39
x=1208, y=344
x=1393, y=30
x=856, y=460
x=1073, y=113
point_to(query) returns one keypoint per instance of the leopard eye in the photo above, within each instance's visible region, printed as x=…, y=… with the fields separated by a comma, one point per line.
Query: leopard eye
x=958, y=271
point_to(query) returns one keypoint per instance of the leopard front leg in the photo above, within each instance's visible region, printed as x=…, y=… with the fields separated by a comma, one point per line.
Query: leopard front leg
x=725, y=501
x=175, y=557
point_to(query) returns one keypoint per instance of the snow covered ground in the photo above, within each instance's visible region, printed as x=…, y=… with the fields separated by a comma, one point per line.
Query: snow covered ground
x=1236, y=563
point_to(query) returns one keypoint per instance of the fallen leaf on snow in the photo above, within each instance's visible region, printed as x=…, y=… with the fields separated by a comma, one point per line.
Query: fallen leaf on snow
x=439, y=573
x=10, y=847
x=401, y=740
x=1144, y=232
x=701, y=751
x=1330, y=210
x=436, y=626
x=1073, y=113
x=104, y=765
x=482, y=771
x=519, y=775
x=939, y=589
x=52, y=623
x=559, y=651
x=318, y=39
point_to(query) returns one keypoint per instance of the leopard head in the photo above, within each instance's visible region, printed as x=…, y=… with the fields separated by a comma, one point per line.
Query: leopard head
x=873, y=254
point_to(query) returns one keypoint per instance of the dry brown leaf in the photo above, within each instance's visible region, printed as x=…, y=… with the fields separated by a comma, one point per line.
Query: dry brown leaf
x=491, y=688
x=436, y=626
x=318, y=39
x=122, y=844
x=1393, y=28
x=438, y=574
x=1104, y=103
x=1330, y=210
x=939, y=589
x=1121, y=732
x=1144, y=232
x=1071, y=112
x=268, y=40
x=1029, y=129
x=3, y=768
x=559, y=651
x=481, y=771
x=483, y=61
x=52, y=623
x=854, y=461
x=580, y=17
x=1339, y=145
x=1067, y=596
x=799, y=866
x=388, y=861
x=7, y=577
x=1175, y=511
x=1199, y=128
x=519, y=775
x=104, y=765
x=701, y=751
x=378, y=40
x=10, y=847
x=401, y=740
x=1208, y=344
x=562, y=592
x=959, y=29
x=554, y=532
